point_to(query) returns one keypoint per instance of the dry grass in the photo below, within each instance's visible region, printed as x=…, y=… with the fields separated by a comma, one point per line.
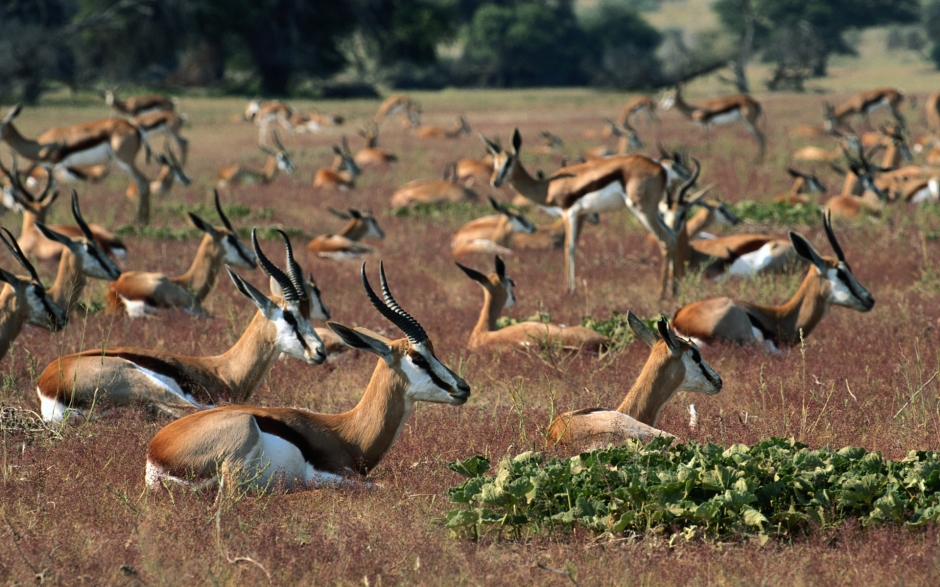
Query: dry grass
x=73, y=504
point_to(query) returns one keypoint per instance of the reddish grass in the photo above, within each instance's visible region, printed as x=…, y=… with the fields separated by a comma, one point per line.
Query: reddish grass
x=75, y=508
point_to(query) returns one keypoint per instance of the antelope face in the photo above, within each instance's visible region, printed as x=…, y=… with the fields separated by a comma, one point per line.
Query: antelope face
x=699, y=376
x=844, y=288
x=284, y=163
x=521, y=224
x=234, y=252
x=295, y=335
x=429, y=379
x=95, y=263
x=43, y=312
x=372, y=227
x=725, y=216
x=813, y=185
x=502, y=168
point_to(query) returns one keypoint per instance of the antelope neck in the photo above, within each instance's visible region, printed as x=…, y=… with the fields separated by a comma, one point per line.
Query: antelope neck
x=653, y=388
x=203, y=274
x=243, y=366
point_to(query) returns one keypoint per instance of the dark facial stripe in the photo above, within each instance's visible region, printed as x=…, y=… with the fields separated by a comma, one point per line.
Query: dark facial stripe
x=422, y=363
x=289, y=318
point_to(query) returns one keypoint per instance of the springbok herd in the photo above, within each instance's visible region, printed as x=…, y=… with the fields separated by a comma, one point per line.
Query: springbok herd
x=220, y=436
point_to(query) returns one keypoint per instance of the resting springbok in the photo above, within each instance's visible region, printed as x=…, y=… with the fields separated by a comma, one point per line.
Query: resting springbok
x=635, y=106
x=433, y=192
x=469, y=171
x=139, y=105
x=299, y=448
x=603, y=185
x=394, y=104
x=344, y=172
x=121, y=376
x=860, y=192
x=83, y=145
x=372, y=154
x=24, y=301
x=167, y=123
x=81, y=257
x=429, y=131
x=674, y=365
x=138, y=294
x=741, y=108
x=35, y=208
x=263, y=114
x=803, y=184
x=278, y=160
x=863, y=103
x=828, y=282
x=628, y=141
x=498, y=295
x=490, y=234
x=345, y=245
x=171, y=171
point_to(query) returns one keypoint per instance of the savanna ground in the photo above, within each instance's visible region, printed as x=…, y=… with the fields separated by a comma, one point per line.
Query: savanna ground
x=73, y=501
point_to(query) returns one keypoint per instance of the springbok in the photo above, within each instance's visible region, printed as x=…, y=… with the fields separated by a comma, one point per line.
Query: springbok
x=138, y=294
x=263, y=114
x=167, y=123
x=863, y=103
x=344, y=172
x=498, y=295
x=394, y=104
x=860, y=192
x=674, y=365
x=628, y=140
x=372, y=154
x=298, y=448
x=82, y=145
x=433, y=192
x=35, y=208
x=469, y=171
x=490, y=234
x=24, y=301
x=171, y=171
x=121, y=376
x=828, y=282
x=139, y=105
x=598, y=186
x=548, y=236
x=741, y=108
x=345, y=245
x=278, y=160
x=429, y=131
x=932, y=110
x=803, y=184
x=635, y=106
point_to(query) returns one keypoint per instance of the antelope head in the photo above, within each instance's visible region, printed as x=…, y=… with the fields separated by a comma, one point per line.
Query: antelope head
x=318, y=310
x=837, y=282
x=284, y=162
x=344, y=155
x=673, y=209
x=371, y=223
x=168, y=159
x=233, y=251
x=684, y=367
x=498, y=284
x=41, y=310
x=413, y=359
x=17, y=197
x=519, y=222
x=94, y=261
x=811, y=183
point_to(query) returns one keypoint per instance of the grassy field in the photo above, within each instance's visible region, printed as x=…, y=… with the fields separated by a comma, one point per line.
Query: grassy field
x=73, y=502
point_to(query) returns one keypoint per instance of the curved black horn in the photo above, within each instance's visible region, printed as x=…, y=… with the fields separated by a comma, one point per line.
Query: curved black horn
x=689, y=182
x=392, y=311
x=77, y=213
x=827, y=222
x=17, y=253
x=218, y=209
x=294, y=271
x=271, y=270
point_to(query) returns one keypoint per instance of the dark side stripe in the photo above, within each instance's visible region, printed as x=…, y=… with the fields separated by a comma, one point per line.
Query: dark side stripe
x=317, y=458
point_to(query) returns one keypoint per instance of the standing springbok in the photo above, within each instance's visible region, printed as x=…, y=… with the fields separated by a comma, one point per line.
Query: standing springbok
x=498, y=295
x=35, y=208
x=263, y=114
x=741, y=108
x=422, y=191
x=139, y=105
x=864, y=103
x=394, y=104
x=345, y=245
x=278, y=160
x=83, y=145
x=598, y=186
x=828, y=282
x=138, y=294
x=490, y=234
x=344, y=172
x=167, y=123
x=674, y=365
x=122, y=376
x=24, y=301
x=298, y=448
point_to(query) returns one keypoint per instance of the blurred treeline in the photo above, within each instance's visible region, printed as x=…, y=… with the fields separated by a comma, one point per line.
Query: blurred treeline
x=348, y=47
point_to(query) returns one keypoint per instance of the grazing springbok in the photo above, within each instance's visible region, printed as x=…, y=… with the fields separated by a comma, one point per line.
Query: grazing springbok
x=741, y=108
x=803, y=184
x=344, y=172
x=139, y=105
x=278, y=160
x=88, y=144
x=864, y=103
x=498, y=295
x=828, y=282
x=429, y=131
x=169, y=125
x=35, y=208
x=121, y=376
x=674, y=365
x=603, y=185
x=490, y=234
x=372, y=154
x=396, y=103
x=635, y=106
x=171, y=171
x=138, y=294
x=299, y=448
x=24, y=301
x=345, y=244
x=433, y=192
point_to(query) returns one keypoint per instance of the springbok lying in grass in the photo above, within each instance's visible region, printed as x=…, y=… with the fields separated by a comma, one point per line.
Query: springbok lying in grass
x=299, y=448
x=342, y=175
x=433, y=192
x=490, y=234
x=498, y=295
x=429, y=131
x=345, y=244
x=674, y=365
x=278, y=160
x=138, y=294
x=828, y=282
x=803, y=184
x=372, y=154
x=122, y=376
x=24, y=301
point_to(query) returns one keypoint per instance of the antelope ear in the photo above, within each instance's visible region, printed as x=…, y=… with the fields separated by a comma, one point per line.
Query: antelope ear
x=516, y=141
x=8, y=277
x=806, y=251
x=641, y=330
x=474, y=275
x=202, y=225
x=251, y=292
x=55, y=236
x=362, y=341
x=275, y=288
x=668, y=336
x=500, y=268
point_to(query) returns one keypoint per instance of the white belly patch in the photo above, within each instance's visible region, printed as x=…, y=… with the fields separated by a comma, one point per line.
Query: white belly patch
x=96, y=155
x=726, y=117
x=169, y=385
x=754, y=262
x=608, y=198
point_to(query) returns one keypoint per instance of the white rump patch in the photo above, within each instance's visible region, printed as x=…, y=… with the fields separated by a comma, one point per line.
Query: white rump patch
x=929, y=193
x=136, y=308
x=52, y=409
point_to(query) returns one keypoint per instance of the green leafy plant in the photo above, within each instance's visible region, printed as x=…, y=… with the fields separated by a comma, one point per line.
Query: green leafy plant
x=778, y=213
x=773, y=488
x=540, y=316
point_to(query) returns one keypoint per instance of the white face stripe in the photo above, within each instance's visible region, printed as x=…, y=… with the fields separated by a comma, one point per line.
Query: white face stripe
x=422, y=386
x=287, y=340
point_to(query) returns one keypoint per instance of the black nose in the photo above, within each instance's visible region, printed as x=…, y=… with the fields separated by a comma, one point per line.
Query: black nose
x=463, y=389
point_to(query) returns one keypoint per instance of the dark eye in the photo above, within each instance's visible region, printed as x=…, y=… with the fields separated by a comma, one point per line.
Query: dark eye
x=420, y=361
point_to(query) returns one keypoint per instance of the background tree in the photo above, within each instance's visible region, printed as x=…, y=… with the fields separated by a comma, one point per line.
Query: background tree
x=621, y=46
